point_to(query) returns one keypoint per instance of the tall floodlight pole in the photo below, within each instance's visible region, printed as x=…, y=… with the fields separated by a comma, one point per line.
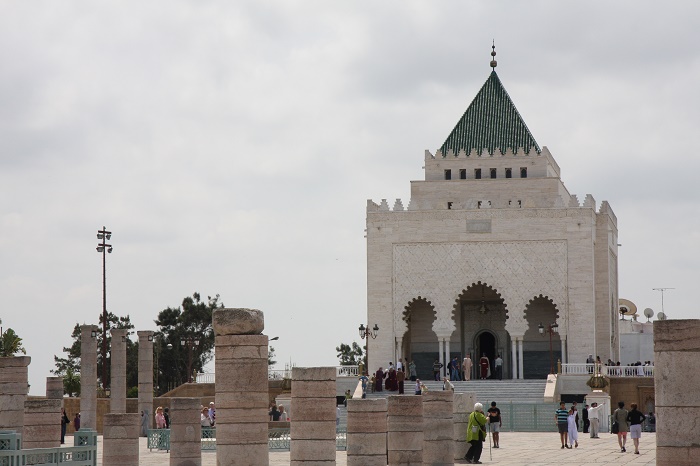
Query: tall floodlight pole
x=104, y=248
x=662, y=295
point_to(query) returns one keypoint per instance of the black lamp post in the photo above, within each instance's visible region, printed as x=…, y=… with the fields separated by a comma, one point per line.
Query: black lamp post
x=104, y=248
x=190, y=343
x=365, y=333
x=550, y=329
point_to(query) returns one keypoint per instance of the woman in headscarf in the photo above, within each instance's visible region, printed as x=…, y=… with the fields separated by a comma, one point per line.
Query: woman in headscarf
x=476, y=434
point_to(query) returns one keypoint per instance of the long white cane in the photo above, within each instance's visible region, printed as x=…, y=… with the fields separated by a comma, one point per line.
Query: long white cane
x=490, y=457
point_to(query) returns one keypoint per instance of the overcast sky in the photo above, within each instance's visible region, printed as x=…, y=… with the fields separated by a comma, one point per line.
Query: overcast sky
x=231, y=147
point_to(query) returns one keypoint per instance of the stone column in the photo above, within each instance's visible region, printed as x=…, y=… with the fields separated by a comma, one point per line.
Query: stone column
x=367, y=432
x=14, y=377
x=54, y=388
x=446, y=369
x=120, y=445
x=676, y=378
x=241, y=387
x=405, y=429
x=520, y=358
x=438, y=429
x=88, y=377
x=462, y=406
x=146, y=376
x=313, y=425
x=42, y=424
x=186, y=432
x=514, y=359
x=441, y=352
x=117, y=403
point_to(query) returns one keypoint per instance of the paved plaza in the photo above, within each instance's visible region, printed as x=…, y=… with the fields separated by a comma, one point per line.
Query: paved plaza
x=517, y=448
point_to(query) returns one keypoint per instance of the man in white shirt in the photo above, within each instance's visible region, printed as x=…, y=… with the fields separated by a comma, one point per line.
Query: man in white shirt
x=499, y=367
x=593, y=416
x=399, y=365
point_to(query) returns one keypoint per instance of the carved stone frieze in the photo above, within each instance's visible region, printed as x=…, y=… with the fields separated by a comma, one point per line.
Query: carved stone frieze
x=518, y=270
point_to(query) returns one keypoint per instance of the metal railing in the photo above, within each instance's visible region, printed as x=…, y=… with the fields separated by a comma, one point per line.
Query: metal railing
x=83, y=453
x=607, y=371
x=280, y=374
x=278, y=439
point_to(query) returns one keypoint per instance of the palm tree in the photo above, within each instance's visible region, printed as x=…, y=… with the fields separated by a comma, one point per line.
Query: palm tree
x=10, y=344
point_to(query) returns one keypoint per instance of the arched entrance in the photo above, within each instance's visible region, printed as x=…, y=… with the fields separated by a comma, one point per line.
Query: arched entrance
x=480, y=316
x=485, y=344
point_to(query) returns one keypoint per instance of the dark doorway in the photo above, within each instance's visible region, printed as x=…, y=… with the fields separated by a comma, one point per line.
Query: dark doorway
x=486, y=344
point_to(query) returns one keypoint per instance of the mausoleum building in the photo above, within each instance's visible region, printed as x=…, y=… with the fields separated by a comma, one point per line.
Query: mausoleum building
x=491, y=247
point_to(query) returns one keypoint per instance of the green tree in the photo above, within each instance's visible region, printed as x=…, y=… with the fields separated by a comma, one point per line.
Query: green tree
x=349, y=355
x=10, y=343
x=72, y=360
x=271, y=356
x=71, y=383
x=192, y=320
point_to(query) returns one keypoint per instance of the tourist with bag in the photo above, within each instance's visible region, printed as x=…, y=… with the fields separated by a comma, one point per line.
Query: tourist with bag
x=476, y=434
x=620, y=418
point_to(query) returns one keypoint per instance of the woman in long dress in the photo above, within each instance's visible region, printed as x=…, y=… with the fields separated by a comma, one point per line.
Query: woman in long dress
x=485, y=365
x=573, y=428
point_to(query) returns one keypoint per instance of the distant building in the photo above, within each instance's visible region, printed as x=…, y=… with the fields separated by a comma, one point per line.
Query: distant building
x=491, y=245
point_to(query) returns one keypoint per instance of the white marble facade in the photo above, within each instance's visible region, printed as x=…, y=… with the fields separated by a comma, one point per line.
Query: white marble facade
x=524, y=246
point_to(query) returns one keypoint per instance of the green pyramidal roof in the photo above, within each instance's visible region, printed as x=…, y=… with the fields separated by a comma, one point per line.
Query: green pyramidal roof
x=490, y=123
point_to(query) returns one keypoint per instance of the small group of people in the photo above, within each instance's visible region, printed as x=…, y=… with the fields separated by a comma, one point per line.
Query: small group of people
x=277, y=413
x=623, y=421
x=477, y=428
x=162, y=418
x=627, y=421
x=207, y=418
x=395, y=378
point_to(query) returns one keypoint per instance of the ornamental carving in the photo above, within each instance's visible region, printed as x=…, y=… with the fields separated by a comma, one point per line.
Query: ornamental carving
x=518, y=270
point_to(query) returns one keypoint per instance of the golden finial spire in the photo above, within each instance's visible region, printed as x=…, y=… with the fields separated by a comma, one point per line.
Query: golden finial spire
x=494, y=63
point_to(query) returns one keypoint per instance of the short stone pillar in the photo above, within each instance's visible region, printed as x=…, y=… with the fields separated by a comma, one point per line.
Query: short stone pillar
x=88, y=377
x=146, y=377
x=405, y=429
x=676, y=378
x=186, y=432
x=367, y=423
x=14, y=379
x=42, y=424
x=120, y=441
x=117, y=400
x=462, y=406
x=54, y=388
x=314, y=406
x=241, y=387
x=438, y=428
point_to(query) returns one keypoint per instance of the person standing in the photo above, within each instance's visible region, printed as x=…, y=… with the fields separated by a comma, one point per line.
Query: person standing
x=586, y=422
x=594, y=417
x=399, y=365
x=476, y=434
x=160, y=419
x=572, y=427
x=495, y=423
x=400, y=378
x=485, y=366
x=274, y=414
x=561, y=417
x=623, y=426
x=467, y=367
x=412, y=371
x=364, y=380
x=212, y=414
x=635, y=418
x=76, y=422
x=418, y=390
x=378, y=379
x=166, y=415
x=575, y=406
x=437, y=365
x=499, y=367
x=589, y=363
x=64, y=425
x=455, y=369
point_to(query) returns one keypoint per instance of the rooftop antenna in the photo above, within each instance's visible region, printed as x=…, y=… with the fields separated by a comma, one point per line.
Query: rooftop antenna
x=494, y=63
x=662, y=296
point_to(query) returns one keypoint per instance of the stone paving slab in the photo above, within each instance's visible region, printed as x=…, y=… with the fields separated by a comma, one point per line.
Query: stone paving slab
x=517, y=448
